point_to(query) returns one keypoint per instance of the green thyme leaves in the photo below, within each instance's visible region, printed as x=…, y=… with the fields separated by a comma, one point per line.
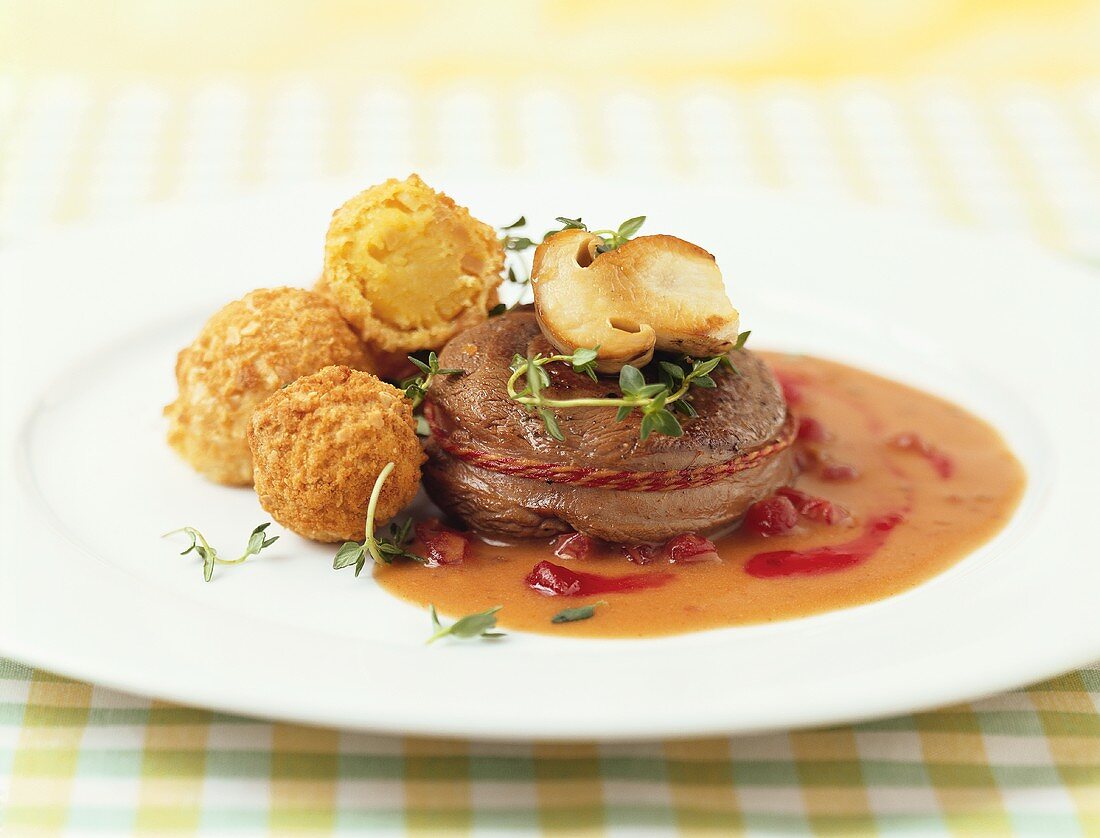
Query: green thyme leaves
x=514, y=243
x=656, y=419
x=257, y=541
x=651, y=400
x=629, y=227
x=480, y=624
x=416, y=387
x=393, y=546
x=571, y=223
x=550, y=422
x=611, y=239
x=200, y=546
x=583, y=361
x=483, y=623
x=390, y=548
x=657, y=401
x=572, y=615
x=516, y=269
x=381, y=550
x=350, y=553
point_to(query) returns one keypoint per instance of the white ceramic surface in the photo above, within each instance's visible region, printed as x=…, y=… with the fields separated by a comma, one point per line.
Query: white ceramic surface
x=91, y=321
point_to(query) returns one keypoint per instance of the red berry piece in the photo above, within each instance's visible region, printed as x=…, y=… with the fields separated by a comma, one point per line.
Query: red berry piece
x=839, y=473
x=442, y=545
x=810, y=430
x=553, y=580
x=572, y=545
x=639, y=553
x=772, y=516
x=791, y=385
x=941, y=462
x=812, y=507
x=690, y=548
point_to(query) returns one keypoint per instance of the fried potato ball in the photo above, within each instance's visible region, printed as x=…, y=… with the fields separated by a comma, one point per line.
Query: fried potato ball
x=243, y=354
x=319, y=446
x=392, y=366
x=409, y=268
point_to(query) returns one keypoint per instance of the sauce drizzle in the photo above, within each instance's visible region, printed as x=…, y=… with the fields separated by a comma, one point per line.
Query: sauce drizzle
x=825, y=559
x=554, y=580
x=941, y=462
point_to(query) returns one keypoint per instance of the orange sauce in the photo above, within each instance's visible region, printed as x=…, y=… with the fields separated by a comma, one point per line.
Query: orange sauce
x=954, y=488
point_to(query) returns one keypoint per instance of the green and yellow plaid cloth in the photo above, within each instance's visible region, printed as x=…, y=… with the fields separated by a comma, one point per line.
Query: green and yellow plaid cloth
x=1018, y=158
x=82, y=759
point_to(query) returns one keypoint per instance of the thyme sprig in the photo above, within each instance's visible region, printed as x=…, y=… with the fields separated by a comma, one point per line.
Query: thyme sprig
x=658, y=402
x=480, y=624
x=572, y=615
x=381, y=550
x=416, y=387
x=531, y=370
x=516, y=270
x=612, y=239
x=257, y=541
x=512, y=242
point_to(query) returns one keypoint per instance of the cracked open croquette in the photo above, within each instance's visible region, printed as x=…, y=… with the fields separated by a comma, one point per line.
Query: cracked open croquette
x=409, y=268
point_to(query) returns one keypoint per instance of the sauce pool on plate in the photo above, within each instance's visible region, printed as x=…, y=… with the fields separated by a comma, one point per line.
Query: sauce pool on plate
x=896, y=485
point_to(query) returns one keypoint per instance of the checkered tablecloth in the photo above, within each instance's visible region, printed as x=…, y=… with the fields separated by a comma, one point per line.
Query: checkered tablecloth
x=1023, y=159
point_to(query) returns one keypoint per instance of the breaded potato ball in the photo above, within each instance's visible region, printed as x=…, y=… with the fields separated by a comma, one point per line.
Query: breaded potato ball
x=409, y=268
x=243, y=354
x=319, y=446
x=393, y=366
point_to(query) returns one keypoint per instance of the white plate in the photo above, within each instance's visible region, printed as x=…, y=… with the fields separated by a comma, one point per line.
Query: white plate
x=92, y=319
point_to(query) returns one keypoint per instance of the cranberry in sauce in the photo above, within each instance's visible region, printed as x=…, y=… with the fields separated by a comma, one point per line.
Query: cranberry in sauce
x=639, y=553
x=791, y=385
x=810, y=430
x=772, y=516
x=812, y=507
x=941, y=462
x=442, y=545
x=825, y=559
x=839, y=472
x=572, y=546
x=554, y=580
x=690, y=548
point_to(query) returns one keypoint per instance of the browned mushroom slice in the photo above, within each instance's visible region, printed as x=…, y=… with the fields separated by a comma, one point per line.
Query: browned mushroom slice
x=655, y=292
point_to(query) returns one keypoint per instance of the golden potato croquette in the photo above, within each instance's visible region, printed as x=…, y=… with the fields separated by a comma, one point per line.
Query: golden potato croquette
x=320, y=444
x=393, y=366
x=243, y=354
x=409, y=268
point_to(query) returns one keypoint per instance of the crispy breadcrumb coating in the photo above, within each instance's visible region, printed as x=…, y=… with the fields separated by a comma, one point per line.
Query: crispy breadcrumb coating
x=243, y=354
x=320, y=444
x=409, y=268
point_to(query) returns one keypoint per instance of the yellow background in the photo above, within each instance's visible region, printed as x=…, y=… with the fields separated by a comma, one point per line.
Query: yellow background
x=589, y=43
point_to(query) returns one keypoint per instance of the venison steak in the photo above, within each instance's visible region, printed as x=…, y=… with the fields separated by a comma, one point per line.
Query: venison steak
x=492, y=464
